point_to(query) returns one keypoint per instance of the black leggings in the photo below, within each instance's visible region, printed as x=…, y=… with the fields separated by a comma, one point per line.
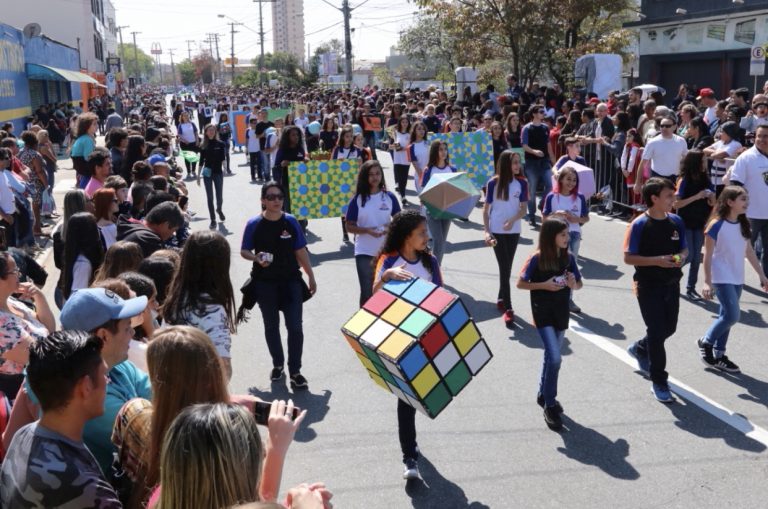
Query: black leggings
x=505, y=248
x=406, y=429
x=401, y=177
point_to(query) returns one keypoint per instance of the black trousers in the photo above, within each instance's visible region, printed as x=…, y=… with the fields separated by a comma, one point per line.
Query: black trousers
x=505, y=249
x=401, y=178
x=406, y=429
x=659, y=305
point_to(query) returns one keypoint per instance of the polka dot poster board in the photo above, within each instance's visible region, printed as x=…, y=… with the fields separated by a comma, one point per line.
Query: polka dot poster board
x=418, y=342
x=470, y=152
x=321, y=189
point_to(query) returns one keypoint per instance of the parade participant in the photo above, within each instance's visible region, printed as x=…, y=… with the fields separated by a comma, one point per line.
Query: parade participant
x=405, y=255
x=726, y=243
x=418, y=152
x=188, y=140
x=505, y=205
x=213, y=152
x=224, y=130
x=499, y=141
x=329, y=136
x=291, y=149
x=275, y=243
x=254, y=151
x=655, y=245
x=694, y=199
x=551, y=274
x=400, y=138
x=566, y=202
x=438, y=163
x=369, y=223
x=346, y=149
x=538, y=154
x=201, y=293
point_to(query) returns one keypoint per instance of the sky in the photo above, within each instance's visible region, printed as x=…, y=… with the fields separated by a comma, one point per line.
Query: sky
x=376, y=24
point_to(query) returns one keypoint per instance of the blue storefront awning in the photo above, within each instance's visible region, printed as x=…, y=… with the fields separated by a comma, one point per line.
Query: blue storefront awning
x=46, y=73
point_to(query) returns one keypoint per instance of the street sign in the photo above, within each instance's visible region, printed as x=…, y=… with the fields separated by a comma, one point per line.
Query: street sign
x=757, y=61
x=111, y=83
x=156, y=49
x=228, y=61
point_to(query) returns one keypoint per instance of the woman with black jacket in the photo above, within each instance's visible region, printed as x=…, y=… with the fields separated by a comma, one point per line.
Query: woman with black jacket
x=213, y=152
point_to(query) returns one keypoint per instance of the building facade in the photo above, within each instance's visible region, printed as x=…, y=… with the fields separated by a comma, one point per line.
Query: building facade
x=704, y=43
x=86, y=25
x=288, y=28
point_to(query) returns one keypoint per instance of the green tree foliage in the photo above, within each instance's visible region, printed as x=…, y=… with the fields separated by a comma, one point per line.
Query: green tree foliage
x=429, y=49
x=537, y=37
x=187, y=71
x=332, y=46
x=128, y=59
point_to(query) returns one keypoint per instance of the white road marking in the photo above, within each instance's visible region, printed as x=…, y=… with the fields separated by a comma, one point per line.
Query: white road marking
x=712, y=407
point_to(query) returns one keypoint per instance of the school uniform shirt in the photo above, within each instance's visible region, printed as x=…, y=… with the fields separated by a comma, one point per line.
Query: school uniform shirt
x=565, y=160
x=550, y=309
x=187, y=132
x=415, y=267
x=501, y=210
x=720, y=166
x=575, y=204
x=346, y=153
x=728, y=255
x=251, y=141
x=282, y=238
x=434, y=170
x=271, y=141
x=376, y=212
x=656, y=237
x=401, y=156
x=418, y=154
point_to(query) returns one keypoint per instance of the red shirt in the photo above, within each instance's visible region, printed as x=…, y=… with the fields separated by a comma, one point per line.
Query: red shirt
x=554, y=134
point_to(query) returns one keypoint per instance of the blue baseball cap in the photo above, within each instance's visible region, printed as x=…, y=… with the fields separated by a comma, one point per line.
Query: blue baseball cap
x=90, y=308
x=157, y=159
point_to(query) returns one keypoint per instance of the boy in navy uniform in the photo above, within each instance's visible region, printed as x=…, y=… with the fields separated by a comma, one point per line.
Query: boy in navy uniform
x=655, y=245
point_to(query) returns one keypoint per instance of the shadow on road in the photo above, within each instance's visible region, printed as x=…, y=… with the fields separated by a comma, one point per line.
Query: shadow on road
x=757, y=390
x=345, y=252
x=527, y=335
x=589, y=447
x=698, y=422
x=593, y=269
x=316, y=405
x=600, y=326
x=437, y=492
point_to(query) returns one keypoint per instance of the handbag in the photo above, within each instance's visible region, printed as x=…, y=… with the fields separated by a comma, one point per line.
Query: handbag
x=47, y=205
x=207, y=172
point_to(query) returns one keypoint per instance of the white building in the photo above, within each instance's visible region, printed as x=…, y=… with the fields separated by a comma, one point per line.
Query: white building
x=288, y=28
x=88, y=25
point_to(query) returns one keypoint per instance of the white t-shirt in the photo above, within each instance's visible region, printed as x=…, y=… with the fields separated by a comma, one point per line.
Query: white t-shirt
x=751, y=169
x=710, y=115
x=728, y=255
x=301, y=122
x=665, y=154
x=109, y=232
x=377, y=213
x=418, y=153
x=502, y=210
x=252, y=141
x=212, y=319
x=401, y=156
x=719, y=166
x=187, y=132
x=81, y=273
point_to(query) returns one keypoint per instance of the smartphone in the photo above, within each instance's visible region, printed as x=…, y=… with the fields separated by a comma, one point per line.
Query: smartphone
x=261, y=412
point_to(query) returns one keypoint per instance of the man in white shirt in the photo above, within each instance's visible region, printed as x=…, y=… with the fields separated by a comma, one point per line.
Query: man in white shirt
x=751, y=171
x=708, y=100
x=662, y=154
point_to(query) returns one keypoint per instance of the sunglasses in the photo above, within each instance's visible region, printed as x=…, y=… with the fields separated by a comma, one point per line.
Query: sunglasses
x=273, y=197
x=667, y=125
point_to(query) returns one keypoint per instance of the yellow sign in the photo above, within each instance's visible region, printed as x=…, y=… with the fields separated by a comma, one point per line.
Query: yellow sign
x=228, y=61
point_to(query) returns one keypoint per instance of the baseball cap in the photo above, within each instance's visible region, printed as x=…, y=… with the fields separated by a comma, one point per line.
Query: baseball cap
x=157, y=159
x=90, y=308
x=706, y=92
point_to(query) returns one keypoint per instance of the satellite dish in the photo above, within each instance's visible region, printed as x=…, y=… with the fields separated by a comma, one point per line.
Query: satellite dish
x=32, y=30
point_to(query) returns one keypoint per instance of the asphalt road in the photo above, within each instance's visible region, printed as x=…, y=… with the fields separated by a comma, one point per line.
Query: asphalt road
x=490, y=447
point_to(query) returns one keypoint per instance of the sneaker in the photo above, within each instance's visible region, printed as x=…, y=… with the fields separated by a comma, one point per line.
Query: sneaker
x=693, y=295
x=643, y=364
x=509, y=318
x=552, y=418
x=277, y=373
x=725, y=364
x=573, y=308
x=500, y=305
x=221, y=215
x=557, y=406
x=705, y=351
x=298, y=381
x=662, y=393
x=411, y=470
x=345, y=238
x=212, y=226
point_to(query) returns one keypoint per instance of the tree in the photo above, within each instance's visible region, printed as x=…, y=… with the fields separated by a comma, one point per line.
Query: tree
x=186, y=71
x=204, y=65
x=332, y=46
x=128, y=59
x=429, y=48
x=285, y=64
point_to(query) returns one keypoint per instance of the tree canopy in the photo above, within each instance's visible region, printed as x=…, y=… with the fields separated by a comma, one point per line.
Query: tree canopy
x=128, y=59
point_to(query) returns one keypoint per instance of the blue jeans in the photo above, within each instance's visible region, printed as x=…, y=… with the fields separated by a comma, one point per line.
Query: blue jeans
x=760, y=230
x=537, y=170
x=285, y=296
x=694, y=239
x=574, y=243
x=550, y=370
x=718, y=332
x=438, y=229
x=364, y=276
x=216, y=180
x=265, y=169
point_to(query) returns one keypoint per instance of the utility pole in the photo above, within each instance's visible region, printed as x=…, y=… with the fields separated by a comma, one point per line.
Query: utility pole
x=136, y=58
x=122, y=50
x=189, y=49
x=215, y=38
x=261, y=35
x=232, y=53
x=346, y=10
x=173, y=69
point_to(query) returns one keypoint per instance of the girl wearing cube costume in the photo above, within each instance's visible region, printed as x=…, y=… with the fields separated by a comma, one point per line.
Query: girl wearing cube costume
x=438, y=163
x=405, y=255
x=551, y=274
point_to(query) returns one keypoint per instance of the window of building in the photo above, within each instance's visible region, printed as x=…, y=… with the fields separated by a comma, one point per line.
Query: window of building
x=98, y=47
x=745, y=32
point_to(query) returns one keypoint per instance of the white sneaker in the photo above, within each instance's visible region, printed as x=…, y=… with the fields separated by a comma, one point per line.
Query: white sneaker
x=411, y=470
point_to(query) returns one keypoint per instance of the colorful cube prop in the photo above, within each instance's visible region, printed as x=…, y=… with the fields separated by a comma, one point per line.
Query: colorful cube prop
x=417, y=341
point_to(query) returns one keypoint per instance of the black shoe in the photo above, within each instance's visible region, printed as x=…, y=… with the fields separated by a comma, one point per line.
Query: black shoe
x=277, y=373
x=212, y=226
x=540, y=401
x=705, y=351
x=298, y=381
x=221, y=215
x=345, y=237
x=573, y=308
x=553, y=419
x=724, y=364
x=693, y=295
